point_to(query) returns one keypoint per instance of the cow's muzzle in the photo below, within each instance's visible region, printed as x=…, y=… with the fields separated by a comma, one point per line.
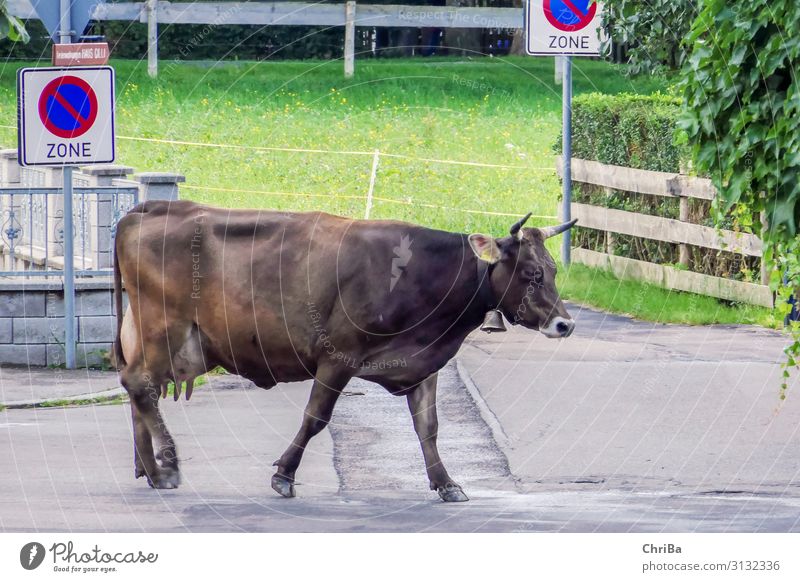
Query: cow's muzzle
x=559, y=327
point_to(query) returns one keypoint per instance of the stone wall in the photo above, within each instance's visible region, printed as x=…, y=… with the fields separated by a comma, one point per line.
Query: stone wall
x=32, y=307
x=32, y=322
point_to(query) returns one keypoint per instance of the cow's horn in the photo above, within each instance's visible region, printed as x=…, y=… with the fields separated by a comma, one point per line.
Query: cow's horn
x=517, y=225
x=549, y=231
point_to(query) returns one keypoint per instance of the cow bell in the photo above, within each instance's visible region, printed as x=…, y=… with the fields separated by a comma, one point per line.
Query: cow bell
x=493, y=322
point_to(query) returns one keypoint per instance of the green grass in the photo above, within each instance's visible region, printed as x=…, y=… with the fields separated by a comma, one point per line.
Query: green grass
x=652, y=303
x=67, y=403
x=111, y=400
x=498, y=111
x=503, y=111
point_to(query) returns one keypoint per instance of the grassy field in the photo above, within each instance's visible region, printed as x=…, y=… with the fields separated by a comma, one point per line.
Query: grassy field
x=421, y=115
x=490, y=110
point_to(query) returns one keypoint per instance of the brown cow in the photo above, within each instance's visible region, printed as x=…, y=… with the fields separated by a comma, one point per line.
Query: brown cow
x=279, y=297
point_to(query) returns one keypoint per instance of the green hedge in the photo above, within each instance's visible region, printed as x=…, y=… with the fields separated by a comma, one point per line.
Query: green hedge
x=642, y=131
x=638, y=131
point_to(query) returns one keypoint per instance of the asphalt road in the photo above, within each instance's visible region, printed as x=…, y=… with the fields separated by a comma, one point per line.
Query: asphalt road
x=635, y=406
x=530, y=461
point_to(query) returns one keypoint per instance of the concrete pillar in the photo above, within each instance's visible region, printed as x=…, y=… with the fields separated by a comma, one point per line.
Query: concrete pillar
x=9, y=177
x=9, y=168
x=101, y=214
x=104, y=174
x=53, y=178
x=158, y=185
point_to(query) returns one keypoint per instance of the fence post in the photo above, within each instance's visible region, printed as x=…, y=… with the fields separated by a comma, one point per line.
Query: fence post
x=101, y=214
x=158, y=185
x=349, y=38
x=151, y=12
x=683, y=216
x=764, y=269
x=373, y=174
x=611, y=238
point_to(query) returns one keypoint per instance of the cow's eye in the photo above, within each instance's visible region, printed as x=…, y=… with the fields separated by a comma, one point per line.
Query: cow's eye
x=536, y=274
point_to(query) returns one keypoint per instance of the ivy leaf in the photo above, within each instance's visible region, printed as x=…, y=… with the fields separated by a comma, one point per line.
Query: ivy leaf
x=11, y=27
x=742, y=119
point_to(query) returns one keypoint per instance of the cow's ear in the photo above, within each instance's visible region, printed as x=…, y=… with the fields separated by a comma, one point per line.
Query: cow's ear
x=485, y=247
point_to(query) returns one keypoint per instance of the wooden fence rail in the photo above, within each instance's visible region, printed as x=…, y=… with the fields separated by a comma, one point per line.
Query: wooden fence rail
x=347, y=14
x=681, y=232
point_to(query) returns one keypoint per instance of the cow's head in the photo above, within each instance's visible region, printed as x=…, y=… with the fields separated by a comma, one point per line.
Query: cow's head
x=523, y=277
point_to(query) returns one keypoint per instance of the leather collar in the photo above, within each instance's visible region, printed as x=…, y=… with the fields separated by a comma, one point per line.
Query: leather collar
x=485, y=294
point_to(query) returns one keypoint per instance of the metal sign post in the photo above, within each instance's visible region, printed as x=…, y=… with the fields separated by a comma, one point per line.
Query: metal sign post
x=566, y=149
x=69, y=252
x=77, y=12
x=563, y=29
x=69, y=273
x=66, y=119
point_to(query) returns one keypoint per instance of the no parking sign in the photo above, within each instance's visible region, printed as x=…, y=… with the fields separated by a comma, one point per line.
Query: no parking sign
x=563, y=27
x=66, y=116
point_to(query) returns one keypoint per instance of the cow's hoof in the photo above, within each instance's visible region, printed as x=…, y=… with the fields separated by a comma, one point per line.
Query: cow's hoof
x=452, y=494
x=283, y=485
x=166, y=478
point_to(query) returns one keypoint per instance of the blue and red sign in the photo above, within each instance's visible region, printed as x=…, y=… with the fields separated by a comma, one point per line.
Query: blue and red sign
x=68, y=106
x=570, y=15
x=65, y=115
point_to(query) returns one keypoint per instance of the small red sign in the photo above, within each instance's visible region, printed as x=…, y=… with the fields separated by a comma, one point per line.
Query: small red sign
x=82, y=53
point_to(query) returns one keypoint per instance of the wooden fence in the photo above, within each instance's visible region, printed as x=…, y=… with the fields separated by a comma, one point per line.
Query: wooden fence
x=669, y=230
x=348, y=15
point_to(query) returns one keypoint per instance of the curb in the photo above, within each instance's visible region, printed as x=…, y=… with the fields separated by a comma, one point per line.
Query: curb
x=91, y=397
x=499, y=435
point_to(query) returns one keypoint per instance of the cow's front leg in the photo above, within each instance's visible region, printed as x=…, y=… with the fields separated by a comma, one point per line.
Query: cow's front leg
x=324, y=394
x=165, y=475
x=149, y=427
x=142, y=445
x=422, y=404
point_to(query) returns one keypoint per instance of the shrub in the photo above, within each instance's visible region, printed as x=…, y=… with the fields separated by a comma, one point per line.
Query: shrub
x=642, y=131
x=637, y=131
x=651, y=30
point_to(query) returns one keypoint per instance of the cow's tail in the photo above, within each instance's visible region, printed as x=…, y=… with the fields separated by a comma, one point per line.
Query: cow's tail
x=119, y=357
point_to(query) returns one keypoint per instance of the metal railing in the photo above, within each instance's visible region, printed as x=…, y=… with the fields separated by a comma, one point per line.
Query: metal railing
x=32, y=229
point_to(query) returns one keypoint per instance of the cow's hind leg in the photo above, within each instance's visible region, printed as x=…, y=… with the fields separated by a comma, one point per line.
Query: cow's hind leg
x=149, y=427
x=142, y=444
x=422, y=404
x=324, y=394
